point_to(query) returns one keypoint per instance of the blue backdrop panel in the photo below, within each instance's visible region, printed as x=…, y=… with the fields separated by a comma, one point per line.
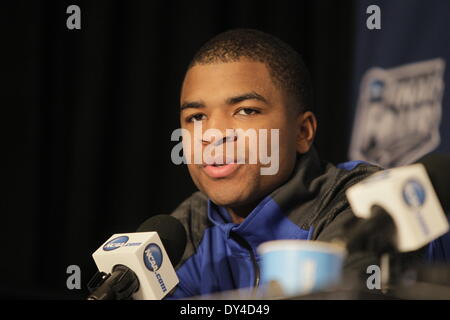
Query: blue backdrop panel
x=401, y=88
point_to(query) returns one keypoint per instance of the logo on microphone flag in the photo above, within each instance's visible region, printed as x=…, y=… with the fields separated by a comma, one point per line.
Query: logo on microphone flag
x=414, y=196
x=153, y=257
x=115, y=243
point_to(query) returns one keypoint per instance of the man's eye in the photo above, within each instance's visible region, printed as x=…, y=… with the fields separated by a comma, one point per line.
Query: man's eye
x=247, y=111
x=195, y=117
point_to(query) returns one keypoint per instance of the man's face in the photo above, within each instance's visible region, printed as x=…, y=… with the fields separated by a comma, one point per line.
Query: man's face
x=237, y=95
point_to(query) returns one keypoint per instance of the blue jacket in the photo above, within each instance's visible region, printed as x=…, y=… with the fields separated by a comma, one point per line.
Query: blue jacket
x=311, y=205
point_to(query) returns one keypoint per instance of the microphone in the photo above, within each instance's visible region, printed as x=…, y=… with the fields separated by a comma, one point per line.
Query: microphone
x=376, y=234
x=401, y=206
x=139, y=265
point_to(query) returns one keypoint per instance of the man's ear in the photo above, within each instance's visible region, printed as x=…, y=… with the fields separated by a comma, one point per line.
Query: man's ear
x=307, y=126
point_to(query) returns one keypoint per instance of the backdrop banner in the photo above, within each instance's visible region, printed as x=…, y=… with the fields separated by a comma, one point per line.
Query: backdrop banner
x=400, y=91
x=401, y=71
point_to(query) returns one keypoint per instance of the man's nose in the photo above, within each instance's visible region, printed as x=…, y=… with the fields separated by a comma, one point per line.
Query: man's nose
x=217, y=141
x=223, y=131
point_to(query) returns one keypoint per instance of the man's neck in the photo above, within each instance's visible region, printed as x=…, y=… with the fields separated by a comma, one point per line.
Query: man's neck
x=238, y=214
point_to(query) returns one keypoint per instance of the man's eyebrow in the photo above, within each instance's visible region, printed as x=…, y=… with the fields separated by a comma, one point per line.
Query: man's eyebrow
x=191, y=104
x=246, y=96
x=230, y=101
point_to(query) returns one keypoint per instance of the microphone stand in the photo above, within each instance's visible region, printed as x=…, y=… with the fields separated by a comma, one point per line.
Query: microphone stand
x=118, y=285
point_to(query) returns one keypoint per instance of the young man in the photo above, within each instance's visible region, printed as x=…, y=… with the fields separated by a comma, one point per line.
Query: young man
x=246, y=79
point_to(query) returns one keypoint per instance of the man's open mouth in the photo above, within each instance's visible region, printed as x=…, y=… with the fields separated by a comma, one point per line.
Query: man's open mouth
x=220, y=170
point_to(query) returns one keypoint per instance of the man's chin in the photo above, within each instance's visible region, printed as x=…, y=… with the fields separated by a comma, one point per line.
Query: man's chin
x=230, y=200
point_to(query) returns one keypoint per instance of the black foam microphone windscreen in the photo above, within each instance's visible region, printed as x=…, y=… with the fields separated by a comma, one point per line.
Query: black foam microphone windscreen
x=170, y=231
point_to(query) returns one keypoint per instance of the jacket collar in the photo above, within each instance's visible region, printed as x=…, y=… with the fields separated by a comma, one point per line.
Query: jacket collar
x=269, y=219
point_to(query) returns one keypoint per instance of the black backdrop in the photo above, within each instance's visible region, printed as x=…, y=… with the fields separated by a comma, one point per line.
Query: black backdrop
x=88, y=114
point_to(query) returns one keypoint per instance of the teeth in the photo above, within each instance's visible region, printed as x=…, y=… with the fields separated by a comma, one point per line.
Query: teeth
x=220, y=165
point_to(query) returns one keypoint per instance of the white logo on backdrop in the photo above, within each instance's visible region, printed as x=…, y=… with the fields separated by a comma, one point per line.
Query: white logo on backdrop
x=398, y=113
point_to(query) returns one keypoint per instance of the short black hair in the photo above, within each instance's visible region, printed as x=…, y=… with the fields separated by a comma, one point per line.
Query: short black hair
x=286, y=66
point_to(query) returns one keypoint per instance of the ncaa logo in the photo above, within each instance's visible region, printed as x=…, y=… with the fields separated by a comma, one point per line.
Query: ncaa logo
x=414, y=197
x=153, y=257
x=115, y=243
x=398, y=113
x=414, y=194
x=376, y=90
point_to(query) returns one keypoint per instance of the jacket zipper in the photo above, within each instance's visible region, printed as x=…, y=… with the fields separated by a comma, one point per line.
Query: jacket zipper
x=247, y=246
